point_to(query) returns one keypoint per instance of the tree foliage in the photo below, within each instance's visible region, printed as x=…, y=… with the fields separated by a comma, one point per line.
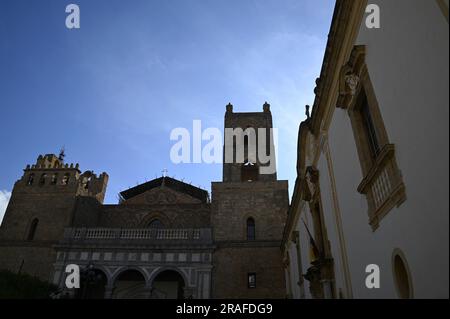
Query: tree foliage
x=23, y=286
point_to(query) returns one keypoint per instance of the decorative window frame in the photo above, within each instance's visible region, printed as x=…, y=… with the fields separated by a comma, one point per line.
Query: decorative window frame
x=382, y=182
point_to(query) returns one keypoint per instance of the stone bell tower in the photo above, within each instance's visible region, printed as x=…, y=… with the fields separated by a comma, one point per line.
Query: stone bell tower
x=248, y=214
x=43, y=203
x=255, y=141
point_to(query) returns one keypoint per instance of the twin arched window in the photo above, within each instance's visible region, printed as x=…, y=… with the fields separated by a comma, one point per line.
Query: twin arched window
x=251, y=230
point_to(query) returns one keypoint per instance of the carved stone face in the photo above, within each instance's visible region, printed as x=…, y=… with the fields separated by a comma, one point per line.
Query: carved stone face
x=351, y=81
x=312, y=179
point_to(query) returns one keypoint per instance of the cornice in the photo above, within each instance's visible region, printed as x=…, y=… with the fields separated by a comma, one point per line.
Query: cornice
x=346, y=21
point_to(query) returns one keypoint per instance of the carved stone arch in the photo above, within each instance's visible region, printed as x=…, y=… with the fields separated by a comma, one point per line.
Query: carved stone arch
x=159, y=270
x=165, y=220
x=122, y=269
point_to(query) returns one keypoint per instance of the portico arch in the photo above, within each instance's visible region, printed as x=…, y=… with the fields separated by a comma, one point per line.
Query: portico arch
x=169, y=283
x=119, y=271
x=130, y=283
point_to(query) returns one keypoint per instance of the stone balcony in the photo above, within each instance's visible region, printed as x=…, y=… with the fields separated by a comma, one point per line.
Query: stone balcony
x=138, y=236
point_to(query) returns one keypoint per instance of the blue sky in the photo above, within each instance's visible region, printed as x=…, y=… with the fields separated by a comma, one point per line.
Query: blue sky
x=112, y=90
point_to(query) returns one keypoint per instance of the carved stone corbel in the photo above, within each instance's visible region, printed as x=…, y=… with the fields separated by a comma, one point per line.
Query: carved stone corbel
x=351, y=83
x=312, y=180
x=315, y=285
x=349, y=78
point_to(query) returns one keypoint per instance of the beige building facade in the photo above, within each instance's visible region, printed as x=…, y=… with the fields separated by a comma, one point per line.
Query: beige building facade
x=372, y=185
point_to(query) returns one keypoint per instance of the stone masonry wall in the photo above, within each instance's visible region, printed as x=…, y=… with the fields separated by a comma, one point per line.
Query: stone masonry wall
x=233, y=264
x=233, y=203
x=235, y=256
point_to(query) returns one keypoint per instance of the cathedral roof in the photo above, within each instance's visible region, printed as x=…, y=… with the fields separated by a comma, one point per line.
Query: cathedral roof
x=169, y=182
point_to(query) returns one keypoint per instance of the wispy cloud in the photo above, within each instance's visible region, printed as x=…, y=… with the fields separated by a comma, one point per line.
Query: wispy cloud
x=4, y=200
x=115, y=89
x=281, y=68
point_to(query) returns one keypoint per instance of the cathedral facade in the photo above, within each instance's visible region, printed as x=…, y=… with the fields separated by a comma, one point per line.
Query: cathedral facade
x=164, y=239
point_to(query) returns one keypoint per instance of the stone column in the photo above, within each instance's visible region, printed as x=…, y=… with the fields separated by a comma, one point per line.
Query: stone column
x=149, y=291
x=188, y=293
x=109, y=292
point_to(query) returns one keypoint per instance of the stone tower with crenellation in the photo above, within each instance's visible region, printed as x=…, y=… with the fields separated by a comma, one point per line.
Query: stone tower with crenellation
x=42, y=204
x=161, y=231
x=249, y=209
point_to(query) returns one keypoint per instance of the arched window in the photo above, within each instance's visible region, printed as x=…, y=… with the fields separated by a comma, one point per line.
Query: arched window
x=249, y=172
x=155, y=223
x=33, y=227
x=30, y=179
x=402, y=275
x=65, y=179
x=86, y=182
x=42, y=179
x=54, y=179
x=251, y=230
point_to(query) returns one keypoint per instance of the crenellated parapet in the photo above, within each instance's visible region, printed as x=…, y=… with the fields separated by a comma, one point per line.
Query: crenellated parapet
x=51, y=174
x=89, y=184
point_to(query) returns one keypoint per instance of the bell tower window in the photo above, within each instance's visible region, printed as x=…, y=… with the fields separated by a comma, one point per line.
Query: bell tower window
x=30, y=179
x=249, y=172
